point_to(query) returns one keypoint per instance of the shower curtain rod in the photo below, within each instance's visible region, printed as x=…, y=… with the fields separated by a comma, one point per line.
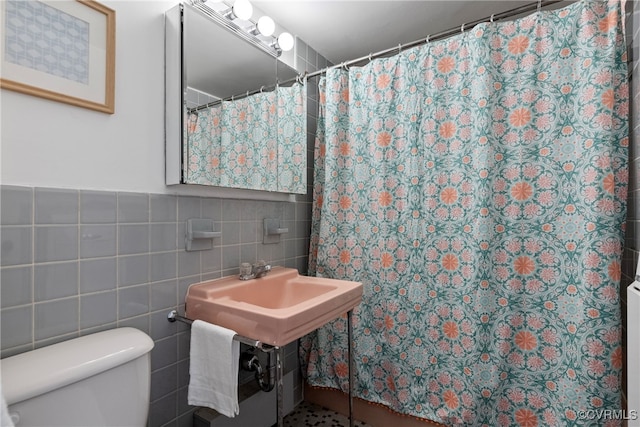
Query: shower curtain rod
x=433, y=37
x=298, y=79
x=442, y=35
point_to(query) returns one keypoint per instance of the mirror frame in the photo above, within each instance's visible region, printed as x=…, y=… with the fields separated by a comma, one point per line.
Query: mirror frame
x=176, y=86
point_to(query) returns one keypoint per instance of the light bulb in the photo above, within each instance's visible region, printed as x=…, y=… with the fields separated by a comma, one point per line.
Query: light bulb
x=243, y=9
x=266, y=26
x=285, y=41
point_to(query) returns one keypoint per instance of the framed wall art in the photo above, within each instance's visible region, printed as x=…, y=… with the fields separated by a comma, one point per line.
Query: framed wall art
x=59, y=50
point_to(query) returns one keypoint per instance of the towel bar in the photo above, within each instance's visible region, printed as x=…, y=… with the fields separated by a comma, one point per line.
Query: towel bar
x=173, y=316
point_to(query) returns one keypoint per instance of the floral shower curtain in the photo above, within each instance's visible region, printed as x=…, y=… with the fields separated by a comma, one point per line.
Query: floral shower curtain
x=477, y=187
x=254, y=142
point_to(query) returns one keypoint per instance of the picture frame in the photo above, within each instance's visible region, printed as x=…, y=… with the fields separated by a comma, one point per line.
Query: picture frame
x=59, y=50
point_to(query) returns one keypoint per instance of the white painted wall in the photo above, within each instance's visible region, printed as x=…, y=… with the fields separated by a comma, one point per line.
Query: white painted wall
x=51, y=144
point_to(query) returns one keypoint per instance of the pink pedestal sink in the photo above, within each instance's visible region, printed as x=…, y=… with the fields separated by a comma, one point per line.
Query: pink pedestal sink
x=275, y=309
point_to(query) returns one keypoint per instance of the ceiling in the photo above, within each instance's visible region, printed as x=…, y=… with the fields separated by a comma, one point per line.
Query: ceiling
x=344, y=30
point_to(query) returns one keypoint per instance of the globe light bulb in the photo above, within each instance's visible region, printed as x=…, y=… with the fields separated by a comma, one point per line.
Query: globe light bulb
x=285, y=41
x=243, y=9
x=266, y=26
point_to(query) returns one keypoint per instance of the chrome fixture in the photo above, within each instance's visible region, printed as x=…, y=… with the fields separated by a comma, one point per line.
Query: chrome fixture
x=241, y=9
x=266, y=26
x=173, y=316
x=261, y=269
x=250, y=362
x=255, y=271
x=260, y=32
x=275, y=368
x=285, y=41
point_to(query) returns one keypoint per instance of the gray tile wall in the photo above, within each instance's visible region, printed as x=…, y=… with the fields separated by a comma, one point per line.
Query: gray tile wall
x=75, y=262
x=632, y=237
x=309, y=60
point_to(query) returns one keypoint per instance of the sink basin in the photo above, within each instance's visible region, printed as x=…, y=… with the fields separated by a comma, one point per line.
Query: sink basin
x=275, y=309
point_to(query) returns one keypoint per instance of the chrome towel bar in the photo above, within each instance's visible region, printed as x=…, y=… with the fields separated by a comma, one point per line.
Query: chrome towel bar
x=279, y=366
x=173, y=316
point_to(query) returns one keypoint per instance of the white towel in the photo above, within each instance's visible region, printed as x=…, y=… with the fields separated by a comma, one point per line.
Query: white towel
x=214, y=368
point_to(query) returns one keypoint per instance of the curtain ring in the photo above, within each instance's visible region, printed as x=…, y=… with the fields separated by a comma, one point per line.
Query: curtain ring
x=247, y=93
x=492, y=15
x=428, y=37
x=462, y=28
x=369, y=56
x=399, y=47
x=539, y=5
x=261, y=88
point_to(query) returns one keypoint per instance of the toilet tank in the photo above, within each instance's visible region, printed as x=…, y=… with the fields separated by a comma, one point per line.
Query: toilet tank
x=102, y=379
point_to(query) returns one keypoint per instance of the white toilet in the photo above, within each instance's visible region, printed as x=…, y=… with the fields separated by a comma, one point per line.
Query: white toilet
x=101, y=379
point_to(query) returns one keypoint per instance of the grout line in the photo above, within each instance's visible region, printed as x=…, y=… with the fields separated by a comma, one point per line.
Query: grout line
x=78, y=247
x=33, y=268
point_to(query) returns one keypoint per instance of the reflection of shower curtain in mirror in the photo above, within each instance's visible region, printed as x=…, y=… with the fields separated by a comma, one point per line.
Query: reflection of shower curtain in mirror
x=477, y=187
x=248, y=153
x=255, y=142
x=292, y=139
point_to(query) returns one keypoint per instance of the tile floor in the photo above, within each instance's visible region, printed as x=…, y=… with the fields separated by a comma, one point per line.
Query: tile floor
x=308, y=414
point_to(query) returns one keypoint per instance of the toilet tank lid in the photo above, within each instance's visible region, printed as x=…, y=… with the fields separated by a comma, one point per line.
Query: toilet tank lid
x=39, y=371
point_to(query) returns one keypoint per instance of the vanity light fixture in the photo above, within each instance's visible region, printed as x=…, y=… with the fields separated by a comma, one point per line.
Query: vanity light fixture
x=241, y=9
x=266, y=26
x=285, y=41
x=256, y=32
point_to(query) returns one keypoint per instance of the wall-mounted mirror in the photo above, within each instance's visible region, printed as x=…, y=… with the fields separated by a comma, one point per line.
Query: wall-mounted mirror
x=235, y=113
